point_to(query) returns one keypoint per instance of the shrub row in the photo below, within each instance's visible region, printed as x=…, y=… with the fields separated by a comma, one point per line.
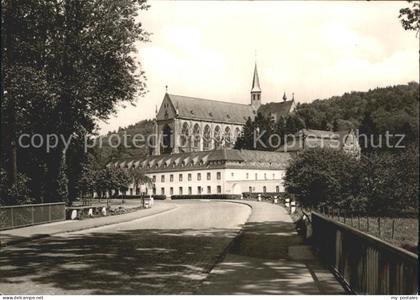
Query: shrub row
x=265, y=196
x=207, y=196
x=156, y=197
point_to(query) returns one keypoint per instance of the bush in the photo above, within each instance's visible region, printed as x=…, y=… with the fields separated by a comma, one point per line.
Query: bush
x=208, y=196
x=17, y=194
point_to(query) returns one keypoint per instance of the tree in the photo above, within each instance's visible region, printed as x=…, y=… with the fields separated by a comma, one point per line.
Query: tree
x=139, y=177
x=73, y=63
x=324, y=178
x=410, y=17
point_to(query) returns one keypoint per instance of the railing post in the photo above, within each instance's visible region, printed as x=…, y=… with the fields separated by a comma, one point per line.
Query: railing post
x=12, y=217
x=33, y=214
x=49, y=213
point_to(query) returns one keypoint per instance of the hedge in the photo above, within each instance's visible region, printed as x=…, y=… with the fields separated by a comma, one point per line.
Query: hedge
x=155, y=197
x=207, y=196
x=265, y=196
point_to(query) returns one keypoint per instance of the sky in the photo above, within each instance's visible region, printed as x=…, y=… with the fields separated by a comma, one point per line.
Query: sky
x=314, y=49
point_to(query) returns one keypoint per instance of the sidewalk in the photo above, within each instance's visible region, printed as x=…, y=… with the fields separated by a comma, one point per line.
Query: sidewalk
x=268, y=257
x=18, y=235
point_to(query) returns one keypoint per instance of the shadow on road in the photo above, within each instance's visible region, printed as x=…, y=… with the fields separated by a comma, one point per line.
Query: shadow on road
x=126, y=262
x=259, y=262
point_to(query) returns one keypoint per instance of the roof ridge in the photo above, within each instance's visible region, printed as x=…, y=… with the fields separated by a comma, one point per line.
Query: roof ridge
x=212, y=100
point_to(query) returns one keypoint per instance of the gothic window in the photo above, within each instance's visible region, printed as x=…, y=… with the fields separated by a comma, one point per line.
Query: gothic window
x=217, y=137
x=166, y=146
x=196, y=137
x=185, y=137
x=227, y=137
x=207, y=138
x=237, y=133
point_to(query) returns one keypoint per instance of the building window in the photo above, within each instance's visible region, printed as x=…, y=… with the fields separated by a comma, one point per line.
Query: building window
x=277, y=189
x=256, y=176
x=250, y=189
x=208, y=176
x=264, y=189
x=180, y=190
x=247, y=175
x=162, y=178
x=265, y=176
x=154, y=191
x=171, y=191
x=189, y=176
x=189, y=190
x=198, y=176
x=199, y=190
x=154, y=178
x=208, y=189
x=232, y=174
x=219, y=189
x=171, y=177
x=180, y=177
x=162, y=191
x=219, y=175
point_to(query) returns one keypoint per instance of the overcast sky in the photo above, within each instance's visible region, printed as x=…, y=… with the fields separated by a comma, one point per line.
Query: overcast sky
x=314, y=49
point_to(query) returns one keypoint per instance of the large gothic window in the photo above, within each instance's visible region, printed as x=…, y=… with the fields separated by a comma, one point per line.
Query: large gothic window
x=185, y=137
x=207, y=138
x=166, y=146
x=217, y=137
x=227, y=137
x=196, y=137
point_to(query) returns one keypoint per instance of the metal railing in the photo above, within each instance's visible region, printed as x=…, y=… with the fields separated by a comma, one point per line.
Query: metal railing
x=31, y=214
x=364, y=263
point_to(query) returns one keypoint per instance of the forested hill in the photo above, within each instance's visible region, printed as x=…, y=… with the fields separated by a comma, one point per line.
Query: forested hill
x=393, y=108
x=107, y=153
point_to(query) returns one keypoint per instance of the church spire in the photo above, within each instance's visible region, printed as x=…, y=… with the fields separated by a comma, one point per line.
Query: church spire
x=255, y=81
x=255, y=89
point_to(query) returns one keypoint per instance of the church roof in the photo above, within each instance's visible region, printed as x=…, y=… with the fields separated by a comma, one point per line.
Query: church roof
x=255, y=81
x=282, y=108
x=211, y=110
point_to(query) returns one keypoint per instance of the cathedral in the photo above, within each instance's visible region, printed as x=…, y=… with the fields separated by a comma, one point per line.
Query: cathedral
x=190, y=124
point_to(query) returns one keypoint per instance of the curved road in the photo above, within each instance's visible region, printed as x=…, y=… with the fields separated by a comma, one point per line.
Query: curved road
x=167, y=253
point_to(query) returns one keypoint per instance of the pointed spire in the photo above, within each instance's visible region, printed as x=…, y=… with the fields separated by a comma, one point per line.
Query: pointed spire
x=284, y=96
x=255, y=81
x=156, y=111
x=166, y=88
x=293, y=96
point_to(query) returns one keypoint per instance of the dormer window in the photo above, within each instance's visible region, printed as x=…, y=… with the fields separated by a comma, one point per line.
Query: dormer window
x=192, y=112
x=228, y=116
x=210, y=114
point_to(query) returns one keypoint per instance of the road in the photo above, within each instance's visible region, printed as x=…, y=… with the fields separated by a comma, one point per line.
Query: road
x=168, y=253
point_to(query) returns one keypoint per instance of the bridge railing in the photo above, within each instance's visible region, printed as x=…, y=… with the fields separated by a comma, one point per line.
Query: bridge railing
x=31, y=214
x=364, y=263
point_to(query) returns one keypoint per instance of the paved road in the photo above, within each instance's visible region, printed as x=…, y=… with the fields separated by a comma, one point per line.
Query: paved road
x=168, y=253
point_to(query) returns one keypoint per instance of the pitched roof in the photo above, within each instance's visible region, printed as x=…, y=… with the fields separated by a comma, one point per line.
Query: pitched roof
x=205, y=159
x=282, y=108
x=211, y=110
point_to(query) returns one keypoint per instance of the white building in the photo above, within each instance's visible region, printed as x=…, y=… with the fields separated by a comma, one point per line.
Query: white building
x=224, y=171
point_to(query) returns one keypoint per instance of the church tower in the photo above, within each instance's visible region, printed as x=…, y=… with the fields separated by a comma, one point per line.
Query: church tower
x=255, y=90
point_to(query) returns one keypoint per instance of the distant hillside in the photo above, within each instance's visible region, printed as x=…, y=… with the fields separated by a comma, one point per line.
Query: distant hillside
x=393, y=109
x=107, y=153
